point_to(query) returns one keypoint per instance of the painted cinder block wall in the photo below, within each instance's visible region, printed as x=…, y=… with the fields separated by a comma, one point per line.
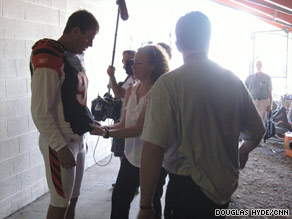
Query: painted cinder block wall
x=22, y=22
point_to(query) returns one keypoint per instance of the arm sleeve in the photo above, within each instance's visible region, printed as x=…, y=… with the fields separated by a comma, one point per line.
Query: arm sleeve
x=159, y=126
x=270, y=85
x=45, y=86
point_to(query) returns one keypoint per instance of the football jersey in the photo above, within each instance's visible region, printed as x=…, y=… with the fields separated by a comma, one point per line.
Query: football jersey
x=59, y=93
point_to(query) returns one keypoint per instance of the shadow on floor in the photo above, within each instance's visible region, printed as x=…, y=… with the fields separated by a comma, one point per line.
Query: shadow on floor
x=95, y=199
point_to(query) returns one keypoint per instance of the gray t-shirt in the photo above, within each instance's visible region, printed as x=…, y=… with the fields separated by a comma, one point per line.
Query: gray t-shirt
x=259, y=85
x=197, y=113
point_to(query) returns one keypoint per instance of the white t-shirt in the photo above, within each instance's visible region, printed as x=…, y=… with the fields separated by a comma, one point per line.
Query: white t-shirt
x=129, y=82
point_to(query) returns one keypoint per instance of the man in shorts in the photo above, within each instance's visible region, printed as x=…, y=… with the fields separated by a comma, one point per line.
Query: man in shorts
x=260, y=88
x=58, y=106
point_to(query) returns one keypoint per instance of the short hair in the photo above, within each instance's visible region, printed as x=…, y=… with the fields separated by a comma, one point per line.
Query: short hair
x=167, y=49
x=158, y=57
x=131, y=52
x=193, y=31
x=82, y=19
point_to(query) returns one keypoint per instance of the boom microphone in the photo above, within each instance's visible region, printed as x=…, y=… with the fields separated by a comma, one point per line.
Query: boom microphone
x=123, y=9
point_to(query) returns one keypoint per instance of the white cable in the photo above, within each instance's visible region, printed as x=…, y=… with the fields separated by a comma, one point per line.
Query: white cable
x=96, y=162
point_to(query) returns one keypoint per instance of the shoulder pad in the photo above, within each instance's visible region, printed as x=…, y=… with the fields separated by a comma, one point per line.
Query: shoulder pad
x=47, y=53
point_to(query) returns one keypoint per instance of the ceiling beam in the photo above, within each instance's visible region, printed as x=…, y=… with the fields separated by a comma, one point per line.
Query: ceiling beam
x=269, y=5
x=287, y=4
x=272, y=11
x=263, y=12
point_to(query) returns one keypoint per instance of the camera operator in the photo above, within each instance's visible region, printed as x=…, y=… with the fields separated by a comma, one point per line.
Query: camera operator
x=149, y=64
x=167, y=49
x=119, y=90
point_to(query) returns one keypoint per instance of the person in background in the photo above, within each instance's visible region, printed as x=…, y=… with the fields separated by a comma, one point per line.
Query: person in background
x=194, y=118
x=59, y=111
x=149, y=64
x=119, y=89
x=260, y=88
x=167, y=49
x=289, y=115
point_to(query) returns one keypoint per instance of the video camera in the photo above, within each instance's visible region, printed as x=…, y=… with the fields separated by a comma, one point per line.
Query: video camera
x=109, y=107
x=106, y=108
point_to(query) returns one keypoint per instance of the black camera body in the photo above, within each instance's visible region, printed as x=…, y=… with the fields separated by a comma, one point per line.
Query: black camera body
x=106, y=108
x=109, y=107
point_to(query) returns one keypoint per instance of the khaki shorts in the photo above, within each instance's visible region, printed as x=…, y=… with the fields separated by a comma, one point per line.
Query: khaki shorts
x=261, y=106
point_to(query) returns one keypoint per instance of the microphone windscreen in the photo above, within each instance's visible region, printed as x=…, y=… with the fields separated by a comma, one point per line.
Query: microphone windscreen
x=123, y=9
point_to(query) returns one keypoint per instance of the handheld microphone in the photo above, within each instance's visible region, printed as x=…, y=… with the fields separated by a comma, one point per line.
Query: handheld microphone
x=123, y=9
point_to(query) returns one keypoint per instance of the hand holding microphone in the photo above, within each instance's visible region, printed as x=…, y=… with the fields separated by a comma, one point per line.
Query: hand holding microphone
x=111, y=71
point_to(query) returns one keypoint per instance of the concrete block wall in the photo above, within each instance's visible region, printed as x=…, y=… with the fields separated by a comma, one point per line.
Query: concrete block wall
x=22, y=22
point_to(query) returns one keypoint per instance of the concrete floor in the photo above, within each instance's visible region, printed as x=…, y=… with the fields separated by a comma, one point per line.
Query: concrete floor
x=95, y=199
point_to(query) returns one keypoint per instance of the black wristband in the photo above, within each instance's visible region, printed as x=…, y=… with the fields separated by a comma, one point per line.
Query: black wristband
x=106, y=129
x=148, y=207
